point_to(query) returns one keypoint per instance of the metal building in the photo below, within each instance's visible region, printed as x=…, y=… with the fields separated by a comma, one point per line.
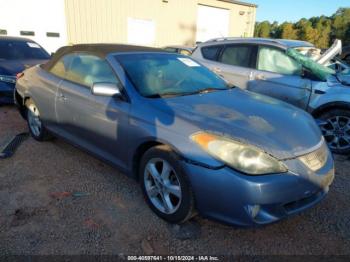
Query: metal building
x=146, y=22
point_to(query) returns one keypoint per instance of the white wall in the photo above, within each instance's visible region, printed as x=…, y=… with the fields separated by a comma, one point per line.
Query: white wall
x=212, y=22
x=40, y=16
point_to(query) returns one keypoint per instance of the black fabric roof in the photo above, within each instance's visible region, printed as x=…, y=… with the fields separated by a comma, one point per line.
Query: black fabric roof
x=101, y=50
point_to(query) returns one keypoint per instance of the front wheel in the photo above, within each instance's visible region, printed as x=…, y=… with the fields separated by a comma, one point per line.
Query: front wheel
x=165, y=185
x=36, y=127
x=335, y=127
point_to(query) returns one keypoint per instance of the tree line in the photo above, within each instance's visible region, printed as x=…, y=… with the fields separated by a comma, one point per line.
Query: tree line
x=320, y=30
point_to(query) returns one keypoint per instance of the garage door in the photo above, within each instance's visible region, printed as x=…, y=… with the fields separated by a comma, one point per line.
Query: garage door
x=141, y=31
x=212, y=22
x=41, y=20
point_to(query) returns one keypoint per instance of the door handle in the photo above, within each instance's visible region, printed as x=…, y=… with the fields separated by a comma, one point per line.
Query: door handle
x=260, y=77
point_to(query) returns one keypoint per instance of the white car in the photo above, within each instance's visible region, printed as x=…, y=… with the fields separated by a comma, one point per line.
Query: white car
x=291, y=71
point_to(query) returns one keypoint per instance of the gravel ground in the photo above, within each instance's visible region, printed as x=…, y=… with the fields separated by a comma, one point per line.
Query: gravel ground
x=56, y=199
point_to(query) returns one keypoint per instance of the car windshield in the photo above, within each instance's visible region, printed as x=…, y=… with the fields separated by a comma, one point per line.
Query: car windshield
x=317, y=69
x=19, y=50
x=160, y=75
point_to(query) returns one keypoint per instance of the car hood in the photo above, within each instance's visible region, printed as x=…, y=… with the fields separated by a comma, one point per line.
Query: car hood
x=277, y=128
x=13, y=67
x=344, y=77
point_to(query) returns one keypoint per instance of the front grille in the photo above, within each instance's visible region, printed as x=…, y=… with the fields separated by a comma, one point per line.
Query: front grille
x=316, y=159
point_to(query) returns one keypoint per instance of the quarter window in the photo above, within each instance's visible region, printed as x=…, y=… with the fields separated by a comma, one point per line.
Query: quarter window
x=238, y=55
x=88, y=69
x=274, y=60
x=211, y=52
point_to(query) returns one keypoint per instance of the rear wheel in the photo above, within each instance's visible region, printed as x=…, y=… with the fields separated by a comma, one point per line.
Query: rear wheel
x=36, y=127
x=335, y=127
x=165, y=185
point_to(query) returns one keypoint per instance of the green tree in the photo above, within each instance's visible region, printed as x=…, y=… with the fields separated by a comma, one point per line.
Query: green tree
x=288, y=31
x=309, y=33
x=324, y=29
x=319, y=30
x=263, y=29
x=275, y=30
x=341, y=25
x=304, y=28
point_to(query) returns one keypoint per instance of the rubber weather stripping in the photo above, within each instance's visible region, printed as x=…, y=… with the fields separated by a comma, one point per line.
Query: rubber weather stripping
x=12, y=145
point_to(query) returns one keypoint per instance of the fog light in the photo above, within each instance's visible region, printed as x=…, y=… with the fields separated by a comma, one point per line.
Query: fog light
x=253, y=210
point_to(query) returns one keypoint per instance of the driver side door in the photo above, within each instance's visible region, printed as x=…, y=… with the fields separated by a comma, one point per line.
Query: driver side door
x=280, y=76
x=96, y=123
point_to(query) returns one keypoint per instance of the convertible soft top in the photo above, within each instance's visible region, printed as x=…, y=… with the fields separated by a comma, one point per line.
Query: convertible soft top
x=101, y=50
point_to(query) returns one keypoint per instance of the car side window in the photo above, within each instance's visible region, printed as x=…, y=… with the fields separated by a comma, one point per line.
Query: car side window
x=61, y=67
x=275, y=60
x=88, y=69
x=239, y=55
x=211, y=52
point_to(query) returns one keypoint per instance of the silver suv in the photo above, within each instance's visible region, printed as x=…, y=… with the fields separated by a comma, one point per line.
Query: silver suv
x=287, y=70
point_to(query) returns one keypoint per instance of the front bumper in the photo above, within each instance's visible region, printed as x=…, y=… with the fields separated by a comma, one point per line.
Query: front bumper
x=237, y=199
x=6, y=93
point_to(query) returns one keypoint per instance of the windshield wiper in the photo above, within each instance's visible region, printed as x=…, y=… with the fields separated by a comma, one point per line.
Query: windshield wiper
x=211, y=89
x=201, y=91
x=169, y=94
x=208, y=90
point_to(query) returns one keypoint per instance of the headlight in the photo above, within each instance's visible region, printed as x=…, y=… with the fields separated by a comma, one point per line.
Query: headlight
x=8, y=79
x=245, y=158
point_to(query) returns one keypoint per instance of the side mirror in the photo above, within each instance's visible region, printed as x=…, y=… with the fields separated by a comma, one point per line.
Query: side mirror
x=106, y=89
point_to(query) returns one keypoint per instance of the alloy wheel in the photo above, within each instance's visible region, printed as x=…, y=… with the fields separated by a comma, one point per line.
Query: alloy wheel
x=162, y=186
x=34, y=120
x=336, y=131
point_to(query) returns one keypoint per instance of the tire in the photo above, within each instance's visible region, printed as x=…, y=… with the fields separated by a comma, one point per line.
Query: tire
x=176, y=206
x=335, y=127
x=35, y=126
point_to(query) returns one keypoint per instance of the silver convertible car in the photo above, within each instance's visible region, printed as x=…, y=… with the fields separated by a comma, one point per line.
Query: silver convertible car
x=195, y=143
x=279, y=69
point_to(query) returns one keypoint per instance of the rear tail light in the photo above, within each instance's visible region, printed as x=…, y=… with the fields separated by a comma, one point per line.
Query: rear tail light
x=19, y=75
